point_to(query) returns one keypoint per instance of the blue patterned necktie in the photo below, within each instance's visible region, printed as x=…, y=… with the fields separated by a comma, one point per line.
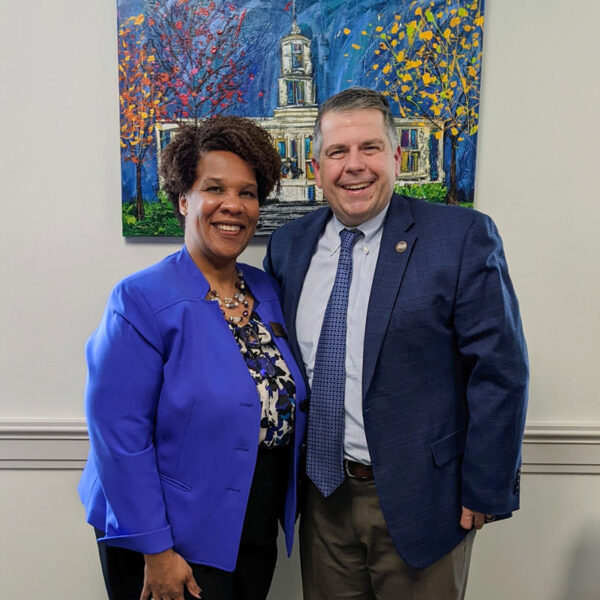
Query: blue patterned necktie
x=325, y=438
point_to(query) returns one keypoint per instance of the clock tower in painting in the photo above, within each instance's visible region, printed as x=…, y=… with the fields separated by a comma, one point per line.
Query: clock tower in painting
x=296, y=86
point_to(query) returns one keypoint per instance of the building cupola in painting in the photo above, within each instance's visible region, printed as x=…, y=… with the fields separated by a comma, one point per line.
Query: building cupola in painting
x=296, y=86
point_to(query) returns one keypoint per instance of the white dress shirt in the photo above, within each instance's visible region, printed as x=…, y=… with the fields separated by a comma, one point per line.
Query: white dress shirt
x=311, y=310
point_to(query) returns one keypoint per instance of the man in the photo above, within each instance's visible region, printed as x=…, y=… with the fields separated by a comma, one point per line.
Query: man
x=414, y=433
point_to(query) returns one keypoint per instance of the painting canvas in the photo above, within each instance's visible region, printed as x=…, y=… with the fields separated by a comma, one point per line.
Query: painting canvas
x=182, y=61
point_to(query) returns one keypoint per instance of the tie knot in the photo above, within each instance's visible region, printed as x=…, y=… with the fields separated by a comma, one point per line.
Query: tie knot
x=349, y=236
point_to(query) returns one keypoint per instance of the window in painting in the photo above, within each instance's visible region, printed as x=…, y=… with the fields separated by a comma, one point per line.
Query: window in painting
x=281, y=148
x=295, y=92
x=166, y=135
x=301, y=95
x=433, y=157
x=308, y=147
x=409, y=144
x=297, y=56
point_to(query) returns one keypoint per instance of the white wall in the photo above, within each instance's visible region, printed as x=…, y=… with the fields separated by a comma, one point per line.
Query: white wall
x=61, y=252
x=537, y=176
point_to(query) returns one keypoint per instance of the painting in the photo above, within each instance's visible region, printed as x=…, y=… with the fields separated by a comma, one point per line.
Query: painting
x=275, y=61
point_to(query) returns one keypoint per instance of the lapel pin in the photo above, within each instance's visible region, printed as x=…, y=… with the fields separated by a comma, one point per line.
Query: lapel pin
x=401, y=246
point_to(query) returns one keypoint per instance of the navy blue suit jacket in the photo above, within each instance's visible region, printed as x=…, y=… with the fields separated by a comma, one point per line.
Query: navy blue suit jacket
x=444, y=371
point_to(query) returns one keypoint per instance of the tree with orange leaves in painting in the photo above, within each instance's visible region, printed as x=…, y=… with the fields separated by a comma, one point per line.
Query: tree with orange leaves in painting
x=429, y=62
x=141, y=98
x=198, y=49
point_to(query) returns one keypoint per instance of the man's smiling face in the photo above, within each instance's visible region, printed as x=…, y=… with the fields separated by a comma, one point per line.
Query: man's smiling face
x=357, y=166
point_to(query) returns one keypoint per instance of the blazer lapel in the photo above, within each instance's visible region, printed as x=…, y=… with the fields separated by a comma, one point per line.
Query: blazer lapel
x=302, y=248
x=397, y=243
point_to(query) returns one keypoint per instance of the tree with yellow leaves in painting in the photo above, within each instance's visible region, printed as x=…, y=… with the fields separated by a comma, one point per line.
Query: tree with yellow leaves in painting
x=141, y=98
x=429, y=62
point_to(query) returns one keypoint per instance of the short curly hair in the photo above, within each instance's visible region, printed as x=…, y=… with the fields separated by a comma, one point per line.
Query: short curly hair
x=179, y=160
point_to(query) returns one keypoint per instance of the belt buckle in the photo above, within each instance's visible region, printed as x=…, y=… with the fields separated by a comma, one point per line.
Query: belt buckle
x=349, y=474
x=347, y=470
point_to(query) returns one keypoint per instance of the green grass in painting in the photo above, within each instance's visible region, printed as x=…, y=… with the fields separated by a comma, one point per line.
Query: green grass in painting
x=432, y=192
x=159, y=219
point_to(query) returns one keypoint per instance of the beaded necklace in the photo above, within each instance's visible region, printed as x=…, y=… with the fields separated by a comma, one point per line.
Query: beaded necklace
x=229, y=303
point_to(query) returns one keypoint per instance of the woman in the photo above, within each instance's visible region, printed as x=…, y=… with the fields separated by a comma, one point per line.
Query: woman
x=192, y=395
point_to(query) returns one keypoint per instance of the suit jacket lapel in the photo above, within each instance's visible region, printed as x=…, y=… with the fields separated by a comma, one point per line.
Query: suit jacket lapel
x=397, y=243
x=302, y=248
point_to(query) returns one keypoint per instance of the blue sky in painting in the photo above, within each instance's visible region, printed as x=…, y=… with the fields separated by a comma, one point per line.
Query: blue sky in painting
x=336, y=64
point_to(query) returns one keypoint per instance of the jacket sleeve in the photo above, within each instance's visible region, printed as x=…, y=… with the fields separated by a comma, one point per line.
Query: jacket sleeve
x=125, y=365
x=494, y=354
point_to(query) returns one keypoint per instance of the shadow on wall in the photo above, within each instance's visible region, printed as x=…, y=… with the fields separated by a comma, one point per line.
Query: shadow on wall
x=583, y=574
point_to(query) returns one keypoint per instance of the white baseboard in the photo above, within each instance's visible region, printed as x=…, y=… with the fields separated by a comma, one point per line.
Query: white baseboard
x=552, y=448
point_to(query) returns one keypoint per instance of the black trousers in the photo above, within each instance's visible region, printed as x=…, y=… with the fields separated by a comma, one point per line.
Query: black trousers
x=123, y=570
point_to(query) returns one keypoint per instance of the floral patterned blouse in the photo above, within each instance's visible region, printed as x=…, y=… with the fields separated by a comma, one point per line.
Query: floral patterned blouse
x=273, y=381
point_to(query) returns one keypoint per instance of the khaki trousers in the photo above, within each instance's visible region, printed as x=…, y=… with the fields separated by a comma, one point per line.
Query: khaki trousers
x=347, y=553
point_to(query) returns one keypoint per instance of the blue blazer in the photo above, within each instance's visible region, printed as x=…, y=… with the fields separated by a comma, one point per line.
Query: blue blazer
x=444, y=370
x=174, y=414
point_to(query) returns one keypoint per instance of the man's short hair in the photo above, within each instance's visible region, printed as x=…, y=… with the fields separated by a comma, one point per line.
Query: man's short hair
x=355, y=98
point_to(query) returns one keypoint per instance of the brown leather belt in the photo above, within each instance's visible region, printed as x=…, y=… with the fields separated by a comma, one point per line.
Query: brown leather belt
x=356, y=470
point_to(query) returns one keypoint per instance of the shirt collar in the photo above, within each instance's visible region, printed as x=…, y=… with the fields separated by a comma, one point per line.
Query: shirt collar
x=370, y=229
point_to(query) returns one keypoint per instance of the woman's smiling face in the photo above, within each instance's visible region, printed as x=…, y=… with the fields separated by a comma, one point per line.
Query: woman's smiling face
x=221, y=209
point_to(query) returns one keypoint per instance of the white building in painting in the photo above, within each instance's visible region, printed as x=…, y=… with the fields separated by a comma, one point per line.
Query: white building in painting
x=292, y=124
x=293, y=121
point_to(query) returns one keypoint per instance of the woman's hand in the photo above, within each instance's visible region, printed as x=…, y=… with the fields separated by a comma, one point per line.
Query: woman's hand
x=165, y=575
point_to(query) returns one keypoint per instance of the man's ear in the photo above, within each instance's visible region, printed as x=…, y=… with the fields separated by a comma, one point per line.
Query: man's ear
x=317, y=170
x=397, y=160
